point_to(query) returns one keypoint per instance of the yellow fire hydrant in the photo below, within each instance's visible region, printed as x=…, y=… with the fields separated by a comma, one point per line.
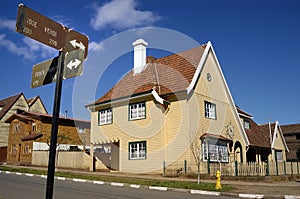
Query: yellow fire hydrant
x=218, y=182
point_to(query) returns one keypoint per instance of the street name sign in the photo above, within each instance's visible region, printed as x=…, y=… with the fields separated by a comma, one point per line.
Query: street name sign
x=38, y=27
x=44, y=73
x=75, y=40
x=73, y=63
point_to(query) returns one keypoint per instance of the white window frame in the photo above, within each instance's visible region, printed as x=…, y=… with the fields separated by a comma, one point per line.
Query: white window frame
x=246, y=124
x=137, y=111
x=217, y=152
x=105, y=116
x=137, y=150
x=210, y=110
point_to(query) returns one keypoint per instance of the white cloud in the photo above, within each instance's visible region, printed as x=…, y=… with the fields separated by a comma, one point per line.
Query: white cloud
x=30, y=50
x=122, y=14
x=94, y=46
x=7, y=23
x=13, y=48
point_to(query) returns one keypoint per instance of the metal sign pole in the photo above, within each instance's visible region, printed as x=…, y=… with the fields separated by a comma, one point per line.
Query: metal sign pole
x=54, y=130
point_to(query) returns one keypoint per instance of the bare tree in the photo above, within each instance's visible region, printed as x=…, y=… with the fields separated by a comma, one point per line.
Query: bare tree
x=196, y=151
x=60, y=138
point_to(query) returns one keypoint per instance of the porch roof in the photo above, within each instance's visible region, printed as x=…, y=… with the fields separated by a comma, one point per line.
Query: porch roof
x=214, y=136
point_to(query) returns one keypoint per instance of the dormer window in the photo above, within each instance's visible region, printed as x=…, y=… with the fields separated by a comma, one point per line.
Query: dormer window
x=246, y=124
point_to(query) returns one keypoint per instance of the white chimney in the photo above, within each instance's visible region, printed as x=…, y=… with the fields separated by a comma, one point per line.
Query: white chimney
x=139, y=51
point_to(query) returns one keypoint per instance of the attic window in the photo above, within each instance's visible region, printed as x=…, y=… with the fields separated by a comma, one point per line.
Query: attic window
x=246, y=124
x=210, y=110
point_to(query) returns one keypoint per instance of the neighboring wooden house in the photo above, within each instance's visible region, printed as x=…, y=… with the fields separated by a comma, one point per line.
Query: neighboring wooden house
x=167, y=109
x=31, y=131
x=266, y=141
x=291, y=133
x=10, y=106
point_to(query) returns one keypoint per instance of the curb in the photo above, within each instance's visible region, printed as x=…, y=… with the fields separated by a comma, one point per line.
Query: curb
x=158, y=188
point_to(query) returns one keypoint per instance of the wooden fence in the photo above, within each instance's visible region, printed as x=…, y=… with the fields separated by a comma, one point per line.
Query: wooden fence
x=239, y=169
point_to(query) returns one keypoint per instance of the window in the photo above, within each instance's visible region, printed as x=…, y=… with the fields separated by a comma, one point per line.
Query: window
x=217, y=152
x=279, y=156
x=33, y=127
x=26, y=149
x=137, y=150
x=105, y=116
x=137, y=111
x=81, y=130
x=210, y=110
x=16, y=127
x=14, y=150
x=246, y=124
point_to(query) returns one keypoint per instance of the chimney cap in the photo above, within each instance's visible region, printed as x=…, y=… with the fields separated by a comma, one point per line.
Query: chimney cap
x=139, y=42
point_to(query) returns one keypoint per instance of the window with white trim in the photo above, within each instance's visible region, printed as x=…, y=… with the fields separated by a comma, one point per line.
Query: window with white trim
x=217, y=152
x=105, y=116
x=246, y=124
x=210, y=110
x=137, y=150
x=137, y=111
x=279, y=156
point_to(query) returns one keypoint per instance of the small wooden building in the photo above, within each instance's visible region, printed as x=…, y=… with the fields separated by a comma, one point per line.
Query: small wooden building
x=30, y=131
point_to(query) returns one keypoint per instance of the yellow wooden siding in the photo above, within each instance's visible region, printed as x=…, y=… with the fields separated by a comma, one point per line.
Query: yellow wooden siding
x=169, y=133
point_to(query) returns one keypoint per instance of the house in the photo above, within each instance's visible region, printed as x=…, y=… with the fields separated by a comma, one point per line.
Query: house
x=291, y=134
x=10, y=106
x=266, y=141
x=167, y=111
x=30, y=132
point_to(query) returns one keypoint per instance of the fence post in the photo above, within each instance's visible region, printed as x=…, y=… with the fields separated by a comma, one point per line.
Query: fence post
x=208, y=165
x=185, y=166
x=297, y=167
x=292, y=167
x=164, y=167
x=236, y=168
x=284, y=166
x=267, y=168
x=276, y=167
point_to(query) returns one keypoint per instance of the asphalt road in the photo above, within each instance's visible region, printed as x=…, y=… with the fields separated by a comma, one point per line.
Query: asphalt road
x=33, y=187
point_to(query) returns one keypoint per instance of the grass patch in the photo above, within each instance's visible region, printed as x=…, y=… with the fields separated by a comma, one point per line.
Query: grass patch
x=127, y=180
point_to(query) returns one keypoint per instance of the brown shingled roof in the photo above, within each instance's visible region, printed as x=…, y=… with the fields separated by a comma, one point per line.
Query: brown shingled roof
x=290, y=129
x=166, y=75
x=259, y=136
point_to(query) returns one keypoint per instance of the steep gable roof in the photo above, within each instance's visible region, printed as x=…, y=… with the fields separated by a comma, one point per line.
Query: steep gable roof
x=7, y=103
x=258, y=136
x=166, y=75
x=33, y=100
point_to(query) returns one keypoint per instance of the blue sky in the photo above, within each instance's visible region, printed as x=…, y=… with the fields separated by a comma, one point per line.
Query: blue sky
x=257, y=44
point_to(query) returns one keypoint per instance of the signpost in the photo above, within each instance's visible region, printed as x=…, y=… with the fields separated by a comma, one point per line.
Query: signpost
x=73, y=49
x=44, y=73
x=38, y=27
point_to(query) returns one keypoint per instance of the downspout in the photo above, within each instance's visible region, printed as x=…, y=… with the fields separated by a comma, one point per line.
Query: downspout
x=157, y=97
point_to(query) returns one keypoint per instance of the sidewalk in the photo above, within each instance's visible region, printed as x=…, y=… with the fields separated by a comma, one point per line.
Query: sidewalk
x=274, y=189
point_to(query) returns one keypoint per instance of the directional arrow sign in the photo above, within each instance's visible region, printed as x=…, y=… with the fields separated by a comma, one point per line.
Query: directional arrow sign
x=36, y=26
x=75, y=40
x=73, y=63
x=44, y=73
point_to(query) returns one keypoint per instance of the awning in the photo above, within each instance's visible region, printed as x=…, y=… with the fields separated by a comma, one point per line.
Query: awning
x=33, y=136
x=214, y=137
